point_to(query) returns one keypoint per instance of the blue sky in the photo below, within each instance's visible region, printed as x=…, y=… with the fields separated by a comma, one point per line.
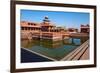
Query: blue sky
x=64, y=19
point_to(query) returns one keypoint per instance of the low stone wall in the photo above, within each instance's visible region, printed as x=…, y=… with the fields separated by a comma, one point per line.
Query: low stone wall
x=26, y=35
x=49, y=35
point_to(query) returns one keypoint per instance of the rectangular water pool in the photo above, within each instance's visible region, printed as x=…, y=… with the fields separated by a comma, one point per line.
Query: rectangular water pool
x=55, y=50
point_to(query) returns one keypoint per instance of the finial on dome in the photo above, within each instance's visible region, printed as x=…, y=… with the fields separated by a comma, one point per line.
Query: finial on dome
x=46, y=19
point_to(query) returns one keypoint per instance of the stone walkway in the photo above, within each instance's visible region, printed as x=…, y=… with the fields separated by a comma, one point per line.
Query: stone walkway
x=80, y=53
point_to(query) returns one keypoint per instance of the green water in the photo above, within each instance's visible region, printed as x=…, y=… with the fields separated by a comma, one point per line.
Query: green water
x=53, y=49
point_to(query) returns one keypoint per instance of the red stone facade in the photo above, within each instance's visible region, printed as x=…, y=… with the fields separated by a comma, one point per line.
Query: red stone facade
x=85, y=28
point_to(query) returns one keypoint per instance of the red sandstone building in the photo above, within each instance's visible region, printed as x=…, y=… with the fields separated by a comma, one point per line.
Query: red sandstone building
x=45, y=26
x=85, y=28
x=72, y=30
x=47, y=30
